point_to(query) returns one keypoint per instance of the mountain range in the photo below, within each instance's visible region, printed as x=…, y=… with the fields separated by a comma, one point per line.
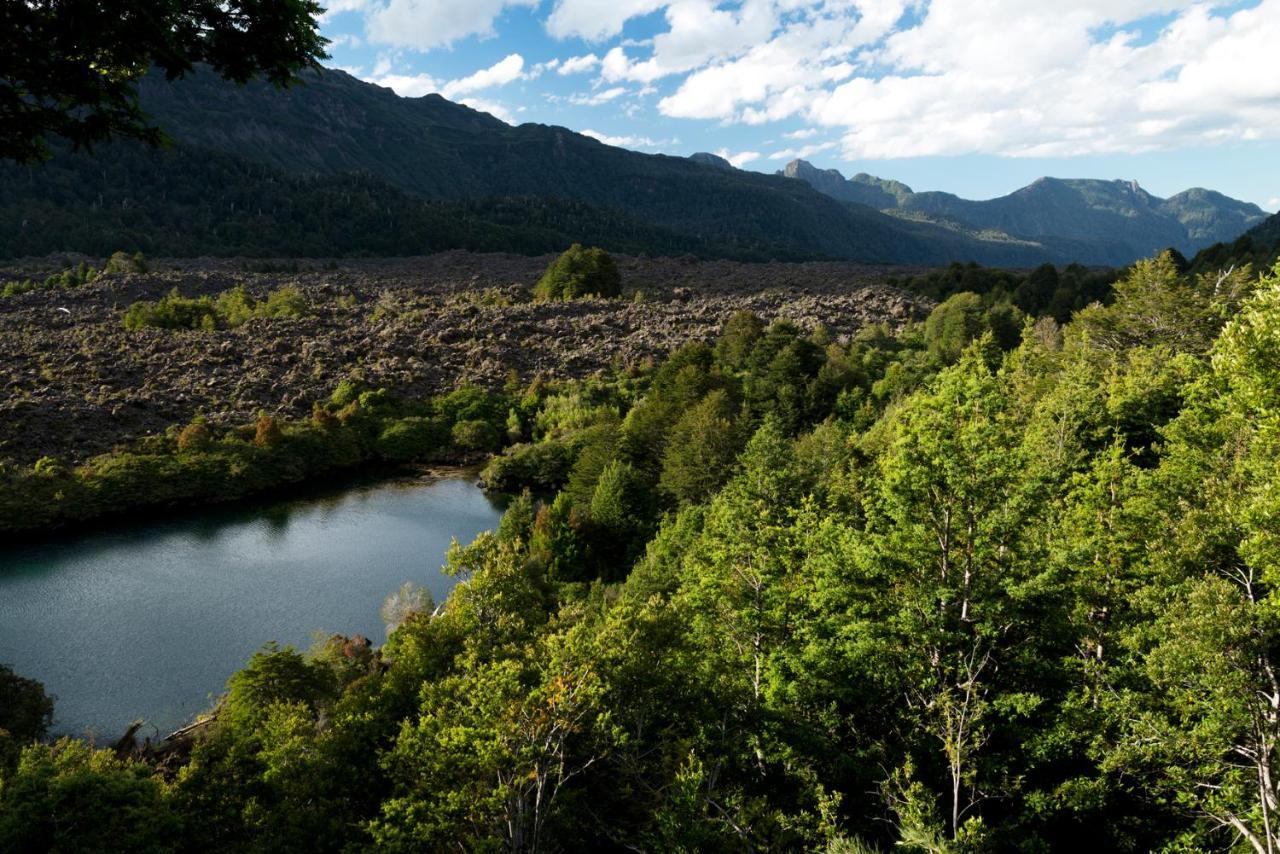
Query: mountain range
x=337, y=166
x=1083, y=209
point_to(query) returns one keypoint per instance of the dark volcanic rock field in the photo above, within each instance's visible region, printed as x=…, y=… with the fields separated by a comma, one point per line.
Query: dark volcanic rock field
x=76, y=383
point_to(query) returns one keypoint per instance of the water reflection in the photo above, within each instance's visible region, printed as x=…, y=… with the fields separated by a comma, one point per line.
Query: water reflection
x=149, y=620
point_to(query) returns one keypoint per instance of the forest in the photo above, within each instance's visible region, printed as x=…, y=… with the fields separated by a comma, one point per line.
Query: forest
x=1004, y=580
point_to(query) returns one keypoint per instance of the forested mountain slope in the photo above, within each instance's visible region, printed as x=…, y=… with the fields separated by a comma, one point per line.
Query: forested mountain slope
x=361, y=153
x=1259, y=246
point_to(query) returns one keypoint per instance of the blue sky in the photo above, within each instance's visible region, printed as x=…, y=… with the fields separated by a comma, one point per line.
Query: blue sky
x=976, y=97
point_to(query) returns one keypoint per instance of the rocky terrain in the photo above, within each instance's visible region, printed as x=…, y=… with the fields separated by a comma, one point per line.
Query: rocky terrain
x=76, y=383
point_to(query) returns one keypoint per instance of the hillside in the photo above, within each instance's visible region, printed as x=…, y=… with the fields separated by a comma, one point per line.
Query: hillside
x=1259, y=246
x=339, y=166
x=1113, y=221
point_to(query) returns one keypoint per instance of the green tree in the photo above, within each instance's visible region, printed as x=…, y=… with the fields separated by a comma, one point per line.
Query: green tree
x=71, y=70
x=700, y=451
x=25, y=710
x=739, y=335
x=580, y=272
x=69, y=797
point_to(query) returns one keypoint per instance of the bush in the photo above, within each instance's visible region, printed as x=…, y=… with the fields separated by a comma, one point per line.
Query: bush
x=580, y=272
x=172, y=311
x=274, y=675
x=412, y=439
x=544, y=466
x=70, y=797
x=267, y=432
x=231, y=309
x=122, y=262
x=475, y=436
x=196, y=436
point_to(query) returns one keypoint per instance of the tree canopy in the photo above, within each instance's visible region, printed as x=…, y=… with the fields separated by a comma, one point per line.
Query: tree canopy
x=69, y=68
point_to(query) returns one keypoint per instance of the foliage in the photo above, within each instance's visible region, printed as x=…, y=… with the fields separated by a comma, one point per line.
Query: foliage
x=25, y=710
x=72, y=72
x=231, y=309
x=70, y=797
x=580, y=272
x=785, y=593
x=70, y=277
x=204, y=463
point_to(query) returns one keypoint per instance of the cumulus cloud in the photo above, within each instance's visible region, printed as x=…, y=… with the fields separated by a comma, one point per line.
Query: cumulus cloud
x=579, y=64
x=625, y=140
x=493, y=108
x=407, y=85
x=699, y=33
x=423, y=24
x=897, y=78
x=500, y=73
x=952, y=82
x=595, y=20
x=740, y=159
x=597, y=98
x=802, y=152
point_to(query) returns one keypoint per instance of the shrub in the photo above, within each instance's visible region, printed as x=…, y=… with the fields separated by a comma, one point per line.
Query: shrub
x=475, y=436
x=470, y=403
x=544, y=466
x=347, y=392
x=122, y=262
x=172, y=311
x=232, y=308
x=580, y=272
x=196, y=436
x=274, y=675
x=286, y=301
x=69, y=797
x=267, y=432
x=413, y=438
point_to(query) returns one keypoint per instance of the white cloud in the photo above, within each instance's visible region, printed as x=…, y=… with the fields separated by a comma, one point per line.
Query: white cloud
x=500, y=73
x=595, y=20
x=951, y=82
x=406, y=85
x=625, y=141
x=740, y=159
x=349, y=40
x=424, y=24
x=493, y=108
x=699, y=33
x=801, y=152
x=598, y=98
x=579, y=64
x=1006, y=77
x=338, y=7
x=1273, y=204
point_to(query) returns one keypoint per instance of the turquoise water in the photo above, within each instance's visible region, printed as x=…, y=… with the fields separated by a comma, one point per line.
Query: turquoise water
x=148, y=620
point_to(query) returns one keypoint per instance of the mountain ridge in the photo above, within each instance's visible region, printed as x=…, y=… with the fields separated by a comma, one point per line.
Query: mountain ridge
x=411, y=171
x=1075, y=208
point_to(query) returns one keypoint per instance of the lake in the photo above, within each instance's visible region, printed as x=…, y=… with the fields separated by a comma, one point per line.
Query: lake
x=148, y=620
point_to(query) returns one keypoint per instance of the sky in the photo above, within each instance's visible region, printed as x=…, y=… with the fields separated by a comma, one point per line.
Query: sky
x=974, y=97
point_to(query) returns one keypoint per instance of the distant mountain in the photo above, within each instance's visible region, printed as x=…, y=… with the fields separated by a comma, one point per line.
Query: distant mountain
x=339, y=166
x=1117, y=220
